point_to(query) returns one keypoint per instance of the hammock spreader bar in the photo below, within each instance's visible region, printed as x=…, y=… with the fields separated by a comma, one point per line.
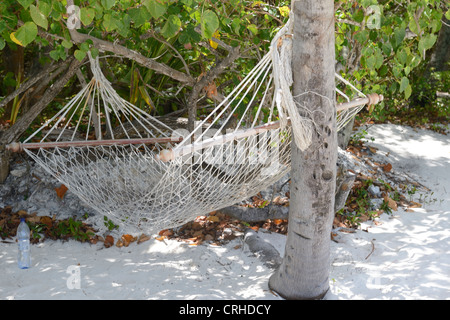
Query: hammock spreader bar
x=18, y=147
x=170, y=154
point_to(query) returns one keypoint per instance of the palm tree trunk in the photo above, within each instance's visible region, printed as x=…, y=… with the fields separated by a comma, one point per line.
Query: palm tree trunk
x=304, y=271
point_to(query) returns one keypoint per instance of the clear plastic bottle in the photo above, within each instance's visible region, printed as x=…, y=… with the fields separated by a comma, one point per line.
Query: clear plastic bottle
x=23, y=238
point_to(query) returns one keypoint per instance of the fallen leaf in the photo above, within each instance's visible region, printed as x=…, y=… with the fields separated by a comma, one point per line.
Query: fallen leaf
x=391, y=203
x=109, y=241
x=61, y=191
x=161, y=238
x=93, y=239
x=47, y=221
x=119, y=244
x=213, y=218
x=415, y=204
x=198, y=234
x=127, y=239
x=143, y=238
x=278, y=221
x=387, y=167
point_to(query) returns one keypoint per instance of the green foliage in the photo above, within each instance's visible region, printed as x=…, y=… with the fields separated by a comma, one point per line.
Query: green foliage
x=175, y=33
x=109, y=224
x=381, y=44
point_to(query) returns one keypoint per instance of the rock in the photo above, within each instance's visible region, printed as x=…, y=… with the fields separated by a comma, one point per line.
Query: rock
x=19, y=172
x=374, y=190
x=376, y=203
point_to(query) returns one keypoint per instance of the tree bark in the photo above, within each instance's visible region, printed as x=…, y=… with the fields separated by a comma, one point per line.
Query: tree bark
x=441, y=54
x=25, y=121
x=304, y=271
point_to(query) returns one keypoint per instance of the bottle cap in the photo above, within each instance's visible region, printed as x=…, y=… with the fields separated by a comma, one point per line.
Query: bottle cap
x=22, y=219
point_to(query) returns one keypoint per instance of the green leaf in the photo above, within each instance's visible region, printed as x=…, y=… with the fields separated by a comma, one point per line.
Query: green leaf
x=123, y=25
x=80, y=55
x=447, y=14
x=2, y=43
x=427, y=42
x=25, y=3
x=253, y=28
x=370, y=62
x=399, y=35
x=173, y=24
x=236, y=25
x=109, y=23
x=404, y=83
x=408, y=91
x=387, y=48
x=209, y=24
x=413, y=25
x=108, y=4
x=87, y=15
x=402, y=56
x=379, y=58
x=358, y=16
x=139, y=15
x=25, y=34
x=38, y=17
x=94, y=52
x=362, y=36
x=66, y=44
x=156, y=8
x=45, y=8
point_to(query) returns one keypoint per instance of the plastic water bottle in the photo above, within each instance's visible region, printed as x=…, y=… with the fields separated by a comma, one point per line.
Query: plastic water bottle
x=23, y=238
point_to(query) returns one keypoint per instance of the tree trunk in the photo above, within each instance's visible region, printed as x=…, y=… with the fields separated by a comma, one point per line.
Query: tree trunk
x=304, y=271
x=441, y=54
x=14, y=133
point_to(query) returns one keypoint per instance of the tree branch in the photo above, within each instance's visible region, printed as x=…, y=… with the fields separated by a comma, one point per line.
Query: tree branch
x=205, y=80
x=27, y=85
x=25, y=120
x=103, y=45
x=256, y=214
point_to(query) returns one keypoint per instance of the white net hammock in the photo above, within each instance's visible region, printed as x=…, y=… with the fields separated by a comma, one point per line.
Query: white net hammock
x=147, y=176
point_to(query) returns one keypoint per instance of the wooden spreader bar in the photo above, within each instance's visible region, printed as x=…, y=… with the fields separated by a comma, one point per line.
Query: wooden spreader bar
x=170, y=154
x=18, y=147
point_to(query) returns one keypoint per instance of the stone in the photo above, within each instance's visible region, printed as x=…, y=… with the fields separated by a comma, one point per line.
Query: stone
x=374, y=190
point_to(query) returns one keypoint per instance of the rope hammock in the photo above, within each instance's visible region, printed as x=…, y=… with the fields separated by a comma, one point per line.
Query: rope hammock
x=147, y=176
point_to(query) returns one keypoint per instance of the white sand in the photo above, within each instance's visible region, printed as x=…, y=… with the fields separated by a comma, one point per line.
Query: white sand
x=406, y=257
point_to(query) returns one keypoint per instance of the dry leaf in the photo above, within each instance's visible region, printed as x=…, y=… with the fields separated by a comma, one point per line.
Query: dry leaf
x=143, y=238
x=47, y=221
x=278, y=221
x=119, y=244
x=387, y=167
x=109, y=241
x=127, y=239
x=93, y=239
x=213, y=218
x=61, y=191
x=415, y=204
x=391, y=203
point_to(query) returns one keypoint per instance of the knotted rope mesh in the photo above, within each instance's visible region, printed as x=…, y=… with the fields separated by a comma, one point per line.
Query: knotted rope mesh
x=147, y=176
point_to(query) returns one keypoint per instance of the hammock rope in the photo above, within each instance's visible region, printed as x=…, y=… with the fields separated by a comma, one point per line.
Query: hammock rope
x=147, y=176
